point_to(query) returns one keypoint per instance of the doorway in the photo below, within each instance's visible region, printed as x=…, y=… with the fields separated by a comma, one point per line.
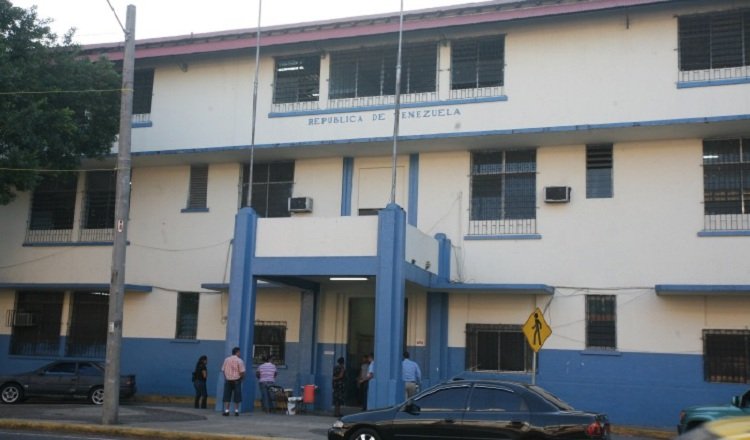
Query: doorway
x=360, y=341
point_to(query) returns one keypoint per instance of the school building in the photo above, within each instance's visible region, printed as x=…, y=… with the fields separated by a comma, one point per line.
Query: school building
x=590, y=158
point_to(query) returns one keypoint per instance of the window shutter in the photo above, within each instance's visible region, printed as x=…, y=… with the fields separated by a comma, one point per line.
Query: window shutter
x=197, y=198
x=599, y=171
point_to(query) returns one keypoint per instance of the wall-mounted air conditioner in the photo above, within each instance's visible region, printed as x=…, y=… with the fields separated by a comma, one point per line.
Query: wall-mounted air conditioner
x=557, y=194
x=300, y=204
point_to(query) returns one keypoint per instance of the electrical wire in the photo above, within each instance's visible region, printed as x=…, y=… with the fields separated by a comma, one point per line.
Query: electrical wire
x=44, y=170
x=124, y=31
x=55, y=92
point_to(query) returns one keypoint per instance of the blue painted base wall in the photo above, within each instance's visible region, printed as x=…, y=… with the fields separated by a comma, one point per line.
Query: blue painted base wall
x=636, y=389
x=639, y=389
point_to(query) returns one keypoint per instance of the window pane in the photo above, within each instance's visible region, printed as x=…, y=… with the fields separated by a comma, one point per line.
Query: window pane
x=726, y=40
x=187, y=315
x=269, y=339
x=40, y=335
x=445, y=399
x=478, y=63
x=598, y=171
x=297, y=79
x=694, y=40
x=497, y=347
x=495, y=399
x=600, y=321
x=726, y=356
x=488, y=353
x=87, y=336
x=53, y=203
x=99, y=206
x=198, y=191
x=143, y=90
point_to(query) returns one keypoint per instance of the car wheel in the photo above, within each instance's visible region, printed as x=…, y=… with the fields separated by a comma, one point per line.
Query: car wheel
x=365, y=434
x=96, y=395
x=11, y=393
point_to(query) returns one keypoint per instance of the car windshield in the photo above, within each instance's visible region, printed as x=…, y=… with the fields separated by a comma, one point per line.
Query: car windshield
x=551, y=398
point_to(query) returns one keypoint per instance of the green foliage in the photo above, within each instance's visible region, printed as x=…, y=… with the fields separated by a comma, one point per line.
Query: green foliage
x=56, y=106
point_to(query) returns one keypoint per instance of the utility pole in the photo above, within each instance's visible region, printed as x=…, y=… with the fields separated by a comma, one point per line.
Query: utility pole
x=122, y=211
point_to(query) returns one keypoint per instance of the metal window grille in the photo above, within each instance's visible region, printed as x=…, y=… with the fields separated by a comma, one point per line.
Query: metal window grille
x=272, y=187
x=87, y=330
x=726, y=184
x=478, y=63
x=601, y=321
x=371, y=72
x=52, y=210
x=497, y=347
x=187, y=315
x=43, y=338
x=297, y=79
x=714, y=45
x=98, y=218
x=143, y=90
x=198, y=191
x=599, y=171
x=726, y=356
x=503, y=192
x=269, y=339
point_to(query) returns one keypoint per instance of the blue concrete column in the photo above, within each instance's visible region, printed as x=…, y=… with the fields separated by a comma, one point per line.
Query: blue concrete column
x=241, y=305
x=444, y=257
x=413, y=189
x=387, y=388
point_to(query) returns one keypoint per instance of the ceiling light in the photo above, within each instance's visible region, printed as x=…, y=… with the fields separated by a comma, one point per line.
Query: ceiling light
x=348, y=278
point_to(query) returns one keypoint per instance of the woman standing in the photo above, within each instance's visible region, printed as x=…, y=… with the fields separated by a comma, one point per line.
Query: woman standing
x=200, y=374
x=339, y=378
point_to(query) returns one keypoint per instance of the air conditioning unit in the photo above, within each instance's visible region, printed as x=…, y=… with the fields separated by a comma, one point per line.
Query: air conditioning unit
x=300, y=204
x=557, y=194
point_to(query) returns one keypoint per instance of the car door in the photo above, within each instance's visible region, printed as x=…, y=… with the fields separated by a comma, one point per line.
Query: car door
x=57, y=378
x=495, y=412
x=434, y=414
x=89, y=375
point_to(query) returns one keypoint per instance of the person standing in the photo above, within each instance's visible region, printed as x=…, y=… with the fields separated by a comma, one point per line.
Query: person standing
x=200, y=375
x=339, y=380
x=364, y=382
x=411, y=375
x=363, y=367
x=234, y=371
x=266, y=374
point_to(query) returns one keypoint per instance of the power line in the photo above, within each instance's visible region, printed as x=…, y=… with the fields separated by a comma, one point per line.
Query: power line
x=54, y=92
x=117, y=18
x=44, y=170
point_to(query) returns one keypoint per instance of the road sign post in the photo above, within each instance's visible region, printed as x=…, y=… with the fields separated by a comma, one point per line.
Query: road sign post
x=536, y=331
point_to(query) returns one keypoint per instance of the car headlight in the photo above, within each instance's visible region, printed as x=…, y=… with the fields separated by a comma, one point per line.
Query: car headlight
x=338, y=424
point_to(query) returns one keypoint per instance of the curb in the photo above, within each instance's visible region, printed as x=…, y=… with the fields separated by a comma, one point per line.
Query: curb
x=636, y=431
x=126, y=431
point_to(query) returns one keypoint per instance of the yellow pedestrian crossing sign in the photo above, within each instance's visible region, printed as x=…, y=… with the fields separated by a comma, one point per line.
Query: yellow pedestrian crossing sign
x=536, y=330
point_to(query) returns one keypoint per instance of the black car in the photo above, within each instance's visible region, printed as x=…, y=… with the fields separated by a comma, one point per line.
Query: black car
x=68, y=378
x=475, y=409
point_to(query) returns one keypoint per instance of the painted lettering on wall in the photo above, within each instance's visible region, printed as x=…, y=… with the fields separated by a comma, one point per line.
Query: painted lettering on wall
x=383, y=116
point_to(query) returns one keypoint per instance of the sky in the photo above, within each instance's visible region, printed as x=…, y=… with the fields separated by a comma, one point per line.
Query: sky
x=95, y=21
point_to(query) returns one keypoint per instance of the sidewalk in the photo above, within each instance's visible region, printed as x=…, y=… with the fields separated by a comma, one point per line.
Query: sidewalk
x=178, y=420
x=164, y=421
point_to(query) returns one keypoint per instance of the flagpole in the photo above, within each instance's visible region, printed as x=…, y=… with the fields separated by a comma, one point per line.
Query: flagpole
x=249, y=199
x=397, y=104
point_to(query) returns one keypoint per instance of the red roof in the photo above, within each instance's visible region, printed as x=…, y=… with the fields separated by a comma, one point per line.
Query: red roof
x=462, y=15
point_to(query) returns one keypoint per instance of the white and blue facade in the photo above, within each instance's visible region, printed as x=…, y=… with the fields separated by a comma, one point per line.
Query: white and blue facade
x=587, y=165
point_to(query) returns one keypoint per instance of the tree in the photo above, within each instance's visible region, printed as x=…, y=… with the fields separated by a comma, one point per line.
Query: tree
x=56, y=106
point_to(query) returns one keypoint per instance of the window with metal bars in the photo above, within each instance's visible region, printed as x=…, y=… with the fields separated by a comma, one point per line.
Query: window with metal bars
x=272, y=186
x=497, y=347
x=269, y=339
x=99, y=200
x=599, y=171
x=601, y=322
x=726, y=184
x=198, y=191
x=503, y=192
x=87, y=332
x=372, y=71
x=143, y=91
x=187, y=315
x=478, y=63
x=726, y=356
x=42, y=336
x=52, y=209
x=297, y=79
x=715, y=40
